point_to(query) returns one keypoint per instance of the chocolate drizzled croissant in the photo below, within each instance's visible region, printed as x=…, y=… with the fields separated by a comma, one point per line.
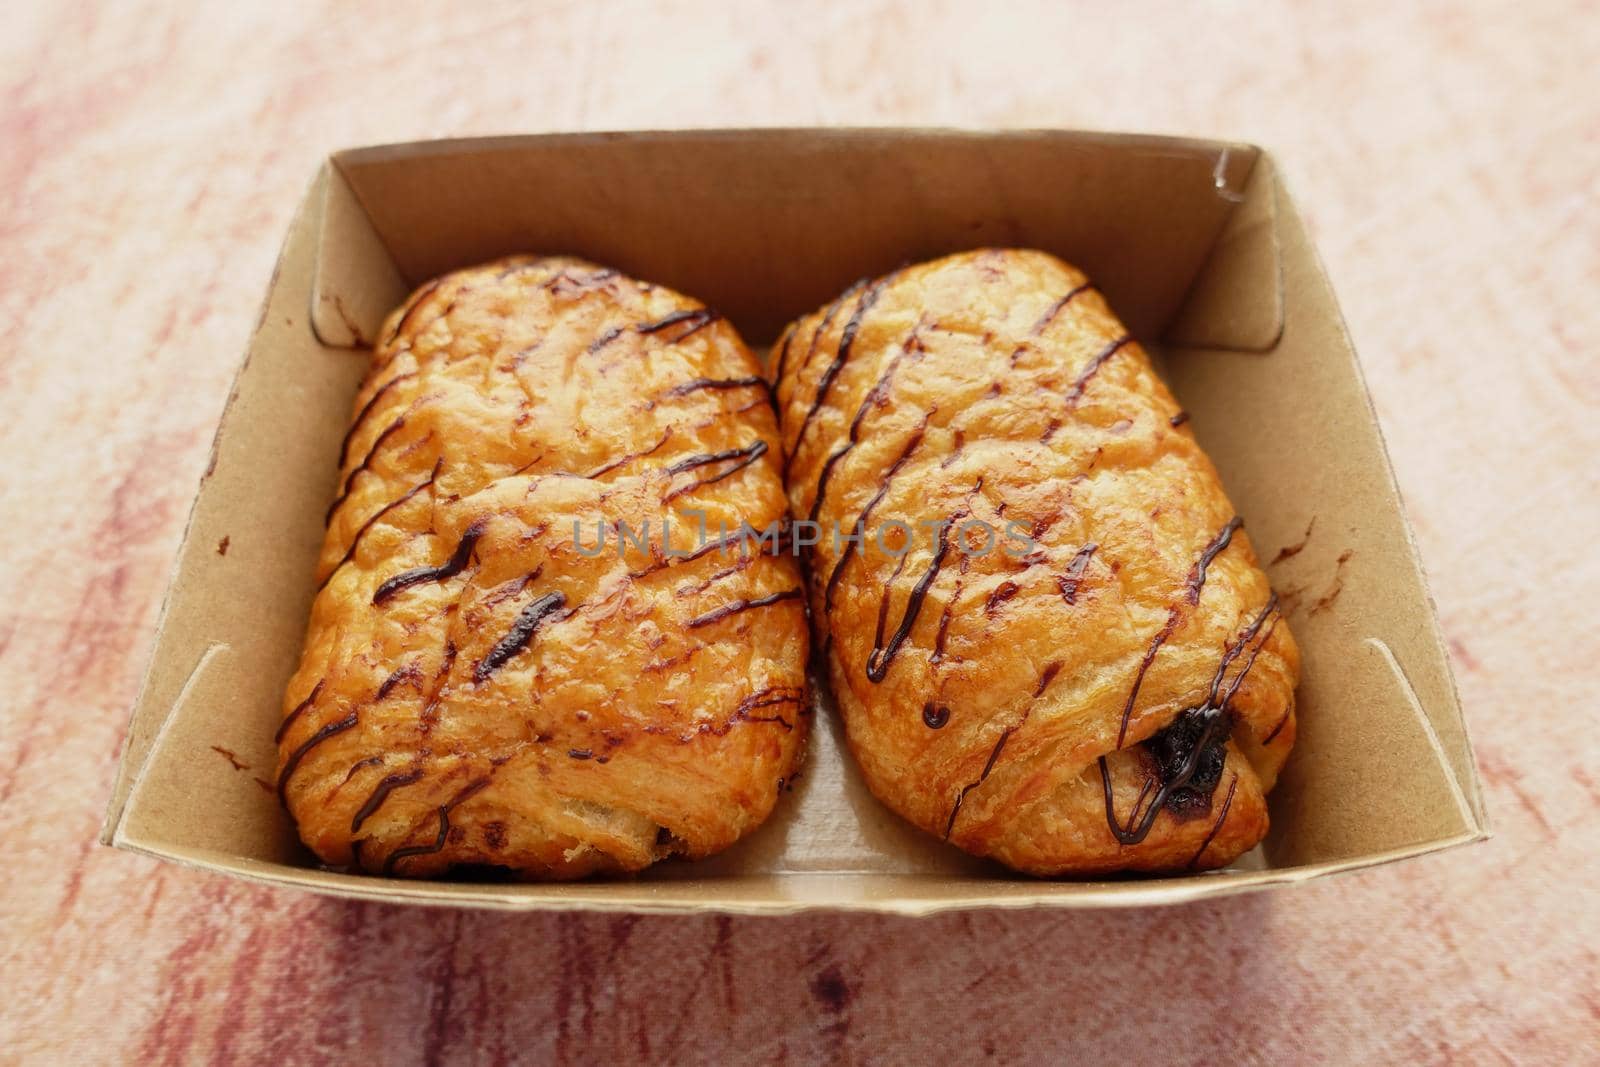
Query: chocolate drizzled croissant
x=510, y=663
x=1063, y=654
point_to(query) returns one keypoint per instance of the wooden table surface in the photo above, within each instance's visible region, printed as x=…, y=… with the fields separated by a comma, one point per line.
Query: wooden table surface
x=1449, y=159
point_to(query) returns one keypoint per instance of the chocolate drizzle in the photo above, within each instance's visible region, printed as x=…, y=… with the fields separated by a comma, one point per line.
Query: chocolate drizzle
x=366, y=462
x=1093, y=366
x=958, y=438
x=1222, y=817
x=783, y=359
x=1079, y=384
x=847, y=340
x=604, y=339
x=1232, y=652
x=734, y=607
x=941, y=636
x=1046, y=676
x=822, y=480
x=1196, y=582
x=583, y=283
x=739, y=539
x=1178, y=420
x=410, y=673
x=430, y=710
x=697, y=318
x=389, y=784
x=1049, y=316
x=1244, y=639
x=626, y=458
x=358, y=765
x=745, y=456
x=293, y=762
x=449, y=569
x=418, y=298
x=883, y=488
x=934, y=716
x=876, y=397
x=1069, y=581
x=961, y=797
x=772, y=696
x=366, y=409
x=696, y=385
x=694, y=588
x=1197, y=576
x=822, y=327
x=1290, y=551
x=1272, y=735
x=421, y=850
x=881, y=656
x=444, y=829
x=1002, y=593
x=350, y=552
x=1055, y=309
x=299, y=710
x=517, y=638
x=1173, y=615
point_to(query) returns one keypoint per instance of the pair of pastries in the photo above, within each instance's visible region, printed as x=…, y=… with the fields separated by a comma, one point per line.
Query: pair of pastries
x=1042, y=622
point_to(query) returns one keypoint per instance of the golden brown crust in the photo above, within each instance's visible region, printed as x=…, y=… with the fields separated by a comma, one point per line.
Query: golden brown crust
x=980, y=690
x=477, y=690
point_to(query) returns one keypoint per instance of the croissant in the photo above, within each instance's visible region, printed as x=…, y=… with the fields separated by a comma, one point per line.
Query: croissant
x=1044, y=625
x=511, y=663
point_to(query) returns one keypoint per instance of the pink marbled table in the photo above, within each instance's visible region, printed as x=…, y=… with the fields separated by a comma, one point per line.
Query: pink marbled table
x=1449, y=160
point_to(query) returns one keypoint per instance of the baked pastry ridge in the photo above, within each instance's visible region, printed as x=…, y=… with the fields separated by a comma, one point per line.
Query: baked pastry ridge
x=510, y=662
x=1110, y=686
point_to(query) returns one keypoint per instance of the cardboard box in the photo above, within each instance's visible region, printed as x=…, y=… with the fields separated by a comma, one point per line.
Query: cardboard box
x=1195, y=243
